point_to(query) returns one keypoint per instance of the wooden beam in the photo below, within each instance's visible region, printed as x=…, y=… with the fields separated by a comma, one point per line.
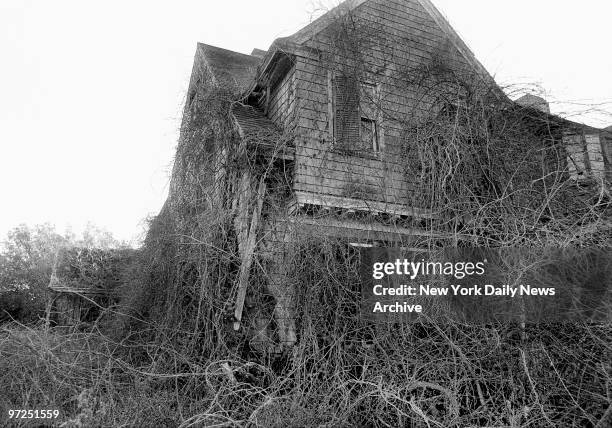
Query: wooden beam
x=248, y=248
x=365, y=227
x=330, y=106
x=267, y=107
x=362, y=205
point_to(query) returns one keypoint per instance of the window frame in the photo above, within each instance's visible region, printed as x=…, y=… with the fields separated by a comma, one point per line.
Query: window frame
x=374, y=143
x=376, y=146
x=365, y=117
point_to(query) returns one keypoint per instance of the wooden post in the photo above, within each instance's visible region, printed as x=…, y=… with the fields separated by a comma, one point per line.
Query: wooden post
x=53, y=282
x=48, y=309
x=248, y=243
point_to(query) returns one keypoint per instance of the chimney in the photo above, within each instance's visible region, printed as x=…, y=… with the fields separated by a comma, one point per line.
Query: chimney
x=258, y=53
x=533, y=101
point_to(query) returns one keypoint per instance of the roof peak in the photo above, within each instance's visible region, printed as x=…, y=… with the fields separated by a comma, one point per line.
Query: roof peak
x=347, y=6
x=207, y=47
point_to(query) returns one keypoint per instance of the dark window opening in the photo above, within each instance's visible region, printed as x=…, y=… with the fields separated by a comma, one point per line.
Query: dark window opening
x=369, y=134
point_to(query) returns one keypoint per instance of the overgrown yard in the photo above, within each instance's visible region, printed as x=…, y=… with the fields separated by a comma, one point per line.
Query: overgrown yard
x=417, y=375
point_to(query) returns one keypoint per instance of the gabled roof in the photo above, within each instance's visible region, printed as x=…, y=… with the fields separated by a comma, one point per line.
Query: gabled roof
x=241, y=69
x=230, y=67
x=347, y=6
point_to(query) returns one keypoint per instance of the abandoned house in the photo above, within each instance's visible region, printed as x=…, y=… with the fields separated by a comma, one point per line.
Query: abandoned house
x=330, y=132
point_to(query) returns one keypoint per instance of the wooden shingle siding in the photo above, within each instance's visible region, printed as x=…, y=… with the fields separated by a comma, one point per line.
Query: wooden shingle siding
x=595, y=155
x=281, y=106
x=408, y=38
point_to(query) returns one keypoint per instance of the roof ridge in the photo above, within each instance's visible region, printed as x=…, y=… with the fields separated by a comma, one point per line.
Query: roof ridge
x=207, y=46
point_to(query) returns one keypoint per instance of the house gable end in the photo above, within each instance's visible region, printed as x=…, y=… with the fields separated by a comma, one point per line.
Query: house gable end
x=322, y=23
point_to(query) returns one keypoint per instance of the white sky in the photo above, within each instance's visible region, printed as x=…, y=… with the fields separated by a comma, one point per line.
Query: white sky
x=91, y=92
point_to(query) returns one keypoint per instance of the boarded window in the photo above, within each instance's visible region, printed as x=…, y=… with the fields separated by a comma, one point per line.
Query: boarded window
x=353, y=114
x=346, y=111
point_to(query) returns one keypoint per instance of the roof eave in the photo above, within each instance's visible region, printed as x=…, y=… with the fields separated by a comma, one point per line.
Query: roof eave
x=280, y=50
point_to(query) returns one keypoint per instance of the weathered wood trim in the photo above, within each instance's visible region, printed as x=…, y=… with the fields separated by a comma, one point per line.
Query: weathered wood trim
x=379, y=120
x=362, y=205
x=330, y=106
x=355, y=231
x=457, y=42
x=248, y=247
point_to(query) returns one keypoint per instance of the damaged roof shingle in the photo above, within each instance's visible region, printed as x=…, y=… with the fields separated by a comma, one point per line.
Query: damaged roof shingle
x=252, y=121
x=256, y=129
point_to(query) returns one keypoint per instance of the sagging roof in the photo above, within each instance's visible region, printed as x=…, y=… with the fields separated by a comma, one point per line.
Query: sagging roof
x=252, y=121
x=253, y=125
x=230, y=67
x=58, y=286
x=537, y=115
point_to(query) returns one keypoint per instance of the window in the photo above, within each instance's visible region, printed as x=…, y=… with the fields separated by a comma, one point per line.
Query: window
x=368, y=134
x=354, y=119
x=345, y=111
x=368, y=111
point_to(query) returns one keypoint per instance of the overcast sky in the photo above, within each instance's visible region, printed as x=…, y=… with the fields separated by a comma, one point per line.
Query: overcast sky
x=91, y=92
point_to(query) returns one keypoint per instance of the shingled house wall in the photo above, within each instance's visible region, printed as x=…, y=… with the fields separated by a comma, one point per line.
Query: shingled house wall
x=282, y=104
x=414, y=40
